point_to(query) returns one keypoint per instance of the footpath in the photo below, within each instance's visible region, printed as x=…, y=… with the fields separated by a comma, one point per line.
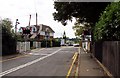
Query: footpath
x=89, y=67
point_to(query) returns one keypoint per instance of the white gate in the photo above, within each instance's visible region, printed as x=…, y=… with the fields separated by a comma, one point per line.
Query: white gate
x=23, y=46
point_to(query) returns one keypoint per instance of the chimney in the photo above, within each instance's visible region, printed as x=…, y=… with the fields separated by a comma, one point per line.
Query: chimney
x=29, y=20
x=36, y=19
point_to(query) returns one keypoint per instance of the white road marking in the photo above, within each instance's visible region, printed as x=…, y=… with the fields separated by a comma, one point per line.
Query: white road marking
x=36, y=50
x=27, y=64
x=67, y=51
x=43, y=54
x=37, y=54
x=49, y=48
x=34, y=53
x=67, y=47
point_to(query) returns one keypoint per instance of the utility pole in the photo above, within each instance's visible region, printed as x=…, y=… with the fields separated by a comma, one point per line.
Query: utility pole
x=29, y=20
x=36, y=19
x=16, y=26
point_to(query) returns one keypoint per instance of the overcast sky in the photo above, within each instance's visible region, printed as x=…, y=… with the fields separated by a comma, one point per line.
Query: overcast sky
x=21, y=9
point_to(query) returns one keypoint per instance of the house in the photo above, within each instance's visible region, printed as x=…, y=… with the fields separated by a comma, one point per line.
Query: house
x=39, y=32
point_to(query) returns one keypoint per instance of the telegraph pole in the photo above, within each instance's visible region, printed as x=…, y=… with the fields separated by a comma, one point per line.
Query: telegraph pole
x=36, y=19
x=29, y=20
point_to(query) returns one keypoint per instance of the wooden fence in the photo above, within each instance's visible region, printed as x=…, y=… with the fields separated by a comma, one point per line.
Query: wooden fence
x=108, y=53
x=111, y=56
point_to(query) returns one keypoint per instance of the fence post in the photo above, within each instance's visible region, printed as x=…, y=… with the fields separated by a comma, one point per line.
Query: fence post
x=24, y=46
x=28, y=46
x=39, y=44
x=21, y=46
x=36, y=44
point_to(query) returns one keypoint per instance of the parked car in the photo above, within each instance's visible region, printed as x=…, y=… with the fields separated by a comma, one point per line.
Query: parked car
x=64, y=45
x=70, y=44
x=76, y=45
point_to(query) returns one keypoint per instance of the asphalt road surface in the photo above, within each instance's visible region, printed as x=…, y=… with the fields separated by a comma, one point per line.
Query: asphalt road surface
x=42, y=62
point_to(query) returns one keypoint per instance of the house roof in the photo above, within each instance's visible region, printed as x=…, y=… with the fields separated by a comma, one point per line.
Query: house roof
x=22, y=27
x=44, y=27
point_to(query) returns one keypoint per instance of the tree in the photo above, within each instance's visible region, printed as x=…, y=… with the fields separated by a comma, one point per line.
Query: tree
x=6, y=26
x=83, y=11
x=107, y=28
x=79, y=29
x=8, y=38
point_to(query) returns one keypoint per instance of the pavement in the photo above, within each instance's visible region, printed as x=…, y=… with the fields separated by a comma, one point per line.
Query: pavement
x=89, y=66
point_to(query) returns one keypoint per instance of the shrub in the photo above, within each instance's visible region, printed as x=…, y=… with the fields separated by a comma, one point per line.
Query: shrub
x=9, y=40
x=108, y=25
x=50, y=43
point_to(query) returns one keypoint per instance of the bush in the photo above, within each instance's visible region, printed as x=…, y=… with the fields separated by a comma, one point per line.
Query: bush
x=9, y=40
x=50, y=43
x=45, y=43
x=56, y=43
x=8, y=44
x=108, y=25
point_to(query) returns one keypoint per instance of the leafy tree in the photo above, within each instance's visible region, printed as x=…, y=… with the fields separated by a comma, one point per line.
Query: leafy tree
x=79, y=29
x=83, y=11
x=109, y=23
x=8, y=38
x=6, y=25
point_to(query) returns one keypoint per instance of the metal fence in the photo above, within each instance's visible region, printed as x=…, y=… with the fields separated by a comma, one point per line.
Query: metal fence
x=108, y=53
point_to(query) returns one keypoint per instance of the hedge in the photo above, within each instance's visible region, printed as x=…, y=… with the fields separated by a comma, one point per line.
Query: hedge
x=49, y=42
x=107, y=28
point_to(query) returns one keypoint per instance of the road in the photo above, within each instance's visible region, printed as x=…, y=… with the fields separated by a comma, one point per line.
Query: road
x=42, y=62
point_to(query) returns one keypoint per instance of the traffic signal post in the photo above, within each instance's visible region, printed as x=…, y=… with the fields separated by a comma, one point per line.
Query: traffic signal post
x=16, y=26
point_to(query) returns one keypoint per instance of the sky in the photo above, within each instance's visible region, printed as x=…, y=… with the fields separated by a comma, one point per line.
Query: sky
x=21, y=9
